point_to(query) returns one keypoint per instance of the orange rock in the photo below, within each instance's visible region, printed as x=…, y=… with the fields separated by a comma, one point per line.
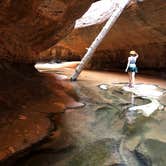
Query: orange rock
x=11, y=149
x=37, y=26
x=3, y=154
x=55, y=134
x=59, y=106
x=22, y=117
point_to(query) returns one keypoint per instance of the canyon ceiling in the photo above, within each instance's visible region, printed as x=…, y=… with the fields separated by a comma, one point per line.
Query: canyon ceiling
x=30, y=27
x=27, y=27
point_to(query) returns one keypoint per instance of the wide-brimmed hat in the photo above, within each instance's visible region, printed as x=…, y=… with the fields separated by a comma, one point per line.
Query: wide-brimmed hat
x=132, y=52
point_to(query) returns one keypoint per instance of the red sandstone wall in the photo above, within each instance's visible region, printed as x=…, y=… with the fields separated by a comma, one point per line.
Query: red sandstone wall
x=141, y=27
x=29, y=26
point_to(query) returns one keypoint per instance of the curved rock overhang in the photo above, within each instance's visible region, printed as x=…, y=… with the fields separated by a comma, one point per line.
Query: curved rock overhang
x=27, y=27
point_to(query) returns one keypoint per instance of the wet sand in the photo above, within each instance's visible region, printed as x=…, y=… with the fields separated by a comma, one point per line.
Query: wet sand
x=98, y=77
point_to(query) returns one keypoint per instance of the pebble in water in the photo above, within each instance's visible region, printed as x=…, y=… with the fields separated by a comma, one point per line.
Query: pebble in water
x=104, y=86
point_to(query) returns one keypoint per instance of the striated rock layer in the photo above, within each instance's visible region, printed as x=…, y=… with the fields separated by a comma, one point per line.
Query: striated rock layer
x=29, y=26
x=29, y=101
x=141, y=27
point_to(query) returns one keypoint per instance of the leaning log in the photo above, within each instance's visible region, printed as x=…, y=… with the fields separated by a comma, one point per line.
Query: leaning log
x=118, y=7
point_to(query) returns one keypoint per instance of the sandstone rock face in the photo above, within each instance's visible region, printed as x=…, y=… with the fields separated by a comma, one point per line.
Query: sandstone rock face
x=28, y=102
x=29, y=26
x=141, y=27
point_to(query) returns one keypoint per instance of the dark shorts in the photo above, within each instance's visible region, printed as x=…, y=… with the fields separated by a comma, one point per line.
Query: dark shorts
x=132, y=69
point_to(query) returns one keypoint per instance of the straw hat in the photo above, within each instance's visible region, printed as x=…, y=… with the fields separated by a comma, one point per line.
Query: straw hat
x=132, y=52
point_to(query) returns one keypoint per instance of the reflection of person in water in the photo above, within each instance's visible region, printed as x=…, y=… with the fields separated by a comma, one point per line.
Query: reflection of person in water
x=132, y=68
x=132, y=99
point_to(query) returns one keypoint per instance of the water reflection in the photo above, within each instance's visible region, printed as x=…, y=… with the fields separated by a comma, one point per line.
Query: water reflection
x=105, y=131
x=132, y=99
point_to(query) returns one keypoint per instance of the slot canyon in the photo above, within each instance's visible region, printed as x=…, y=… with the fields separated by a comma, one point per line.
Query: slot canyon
x=46, y=119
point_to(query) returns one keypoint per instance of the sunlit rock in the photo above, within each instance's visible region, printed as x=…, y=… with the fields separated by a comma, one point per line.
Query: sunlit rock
x=147, y=109
x=99, y=12
x=145, y=90
x=104, y=86
x=150, y=92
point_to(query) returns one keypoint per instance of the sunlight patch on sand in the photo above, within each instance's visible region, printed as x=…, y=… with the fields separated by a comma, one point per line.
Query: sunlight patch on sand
x=55, y=66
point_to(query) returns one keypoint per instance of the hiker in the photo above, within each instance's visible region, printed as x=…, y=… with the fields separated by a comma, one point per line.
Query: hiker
x=132, y=68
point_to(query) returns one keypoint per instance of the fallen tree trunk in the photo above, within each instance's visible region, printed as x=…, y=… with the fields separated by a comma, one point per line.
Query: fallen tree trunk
x=118, y=7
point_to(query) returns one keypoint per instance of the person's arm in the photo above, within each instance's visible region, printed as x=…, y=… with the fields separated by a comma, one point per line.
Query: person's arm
x=127, y=64
x=136, y=55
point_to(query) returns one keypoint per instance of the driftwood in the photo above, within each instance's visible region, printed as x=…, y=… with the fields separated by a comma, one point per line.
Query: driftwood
x=118, y=7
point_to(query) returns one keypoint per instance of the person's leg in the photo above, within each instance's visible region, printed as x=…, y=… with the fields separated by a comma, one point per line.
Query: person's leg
x=130, y=78
x=133, y=78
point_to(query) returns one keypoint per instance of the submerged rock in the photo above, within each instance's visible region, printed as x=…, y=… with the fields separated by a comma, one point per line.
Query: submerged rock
x=104, y=86
x=101, y=152
x=149, y=92
x=151, y=152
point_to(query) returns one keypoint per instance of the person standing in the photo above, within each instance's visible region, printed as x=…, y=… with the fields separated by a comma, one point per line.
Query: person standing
x=132, y=68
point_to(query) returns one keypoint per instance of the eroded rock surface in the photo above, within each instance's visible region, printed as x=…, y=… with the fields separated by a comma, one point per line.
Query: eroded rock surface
x=27, y=98
x=29, y=26
x=29, y=101
x=147, y=152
